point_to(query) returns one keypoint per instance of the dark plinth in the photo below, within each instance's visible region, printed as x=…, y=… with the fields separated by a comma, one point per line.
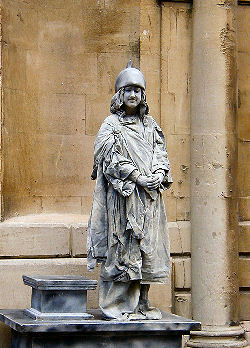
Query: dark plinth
x=59, y=297
x=58, y=319
x=164, y=333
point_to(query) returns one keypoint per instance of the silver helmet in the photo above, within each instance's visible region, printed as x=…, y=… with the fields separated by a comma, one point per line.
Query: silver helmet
x=130, y=77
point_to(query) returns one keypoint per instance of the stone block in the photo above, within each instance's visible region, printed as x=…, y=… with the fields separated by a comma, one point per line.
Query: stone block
x=99, y=106
x=87, y=201
x=160, y=296
x=244, y=305
x=244, y=208
x=180, y=237
x=20, y=109
x=150, y=66
x=18, y=205
x=111, y=29
x=70, y=37
x=175, y=52
x=243, y=115
x=150, y=31
x=243, y=28
x=170, y=204
x=244, y=272
x=63, y=72
x=182, y=272
x=55, y=111
x=61, y=169
x=183, y=210
x=62, y=205
x=22, y=239
x=14, y=294
x=243, y=169
x=79, y=239
x=244, y=237
x=182, y=304
x=178, y=147
x=62, y=4
x=23, y=31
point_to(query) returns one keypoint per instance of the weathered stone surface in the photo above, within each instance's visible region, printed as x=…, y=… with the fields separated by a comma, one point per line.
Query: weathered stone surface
x=44, y=235
x=213, y=163
x=62, y=205
x=246, y=326
x=26, y=239
x=179, y=151
x=79, y=239
x=183, y=209
x=243, y=165
x=244, y=272
x=170, y=203
x=243, y=169
x=244, y=305
x=244, y=237
x=160, y=296
x=175, y=55
x=243, y=74
x=54, y=71
x=182, y=304
x=150, y=59
x=180, y=237
x=244, y=208
x=182, y=272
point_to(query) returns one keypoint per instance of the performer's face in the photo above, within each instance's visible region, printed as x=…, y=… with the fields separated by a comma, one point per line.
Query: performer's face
x=132, y=97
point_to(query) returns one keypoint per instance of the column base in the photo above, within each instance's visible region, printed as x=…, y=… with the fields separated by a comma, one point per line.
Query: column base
x=218, y=337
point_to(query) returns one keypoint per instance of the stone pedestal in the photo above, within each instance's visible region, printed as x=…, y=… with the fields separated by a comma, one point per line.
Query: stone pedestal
x=58, y=318
x=91, y=333
x=59, y=297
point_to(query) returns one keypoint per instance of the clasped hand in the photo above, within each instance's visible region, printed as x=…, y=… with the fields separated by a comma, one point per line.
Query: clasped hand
x=151, y=182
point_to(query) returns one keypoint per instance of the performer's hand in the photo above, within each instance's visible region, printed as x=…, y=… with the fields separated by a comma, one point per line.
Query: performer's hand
x=142, y=180
x=154, y=181
x=151, y=182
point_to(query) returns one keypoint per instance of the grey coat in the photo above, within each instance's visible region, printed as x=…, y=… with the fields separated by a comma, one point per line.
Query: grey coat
x=127, y=228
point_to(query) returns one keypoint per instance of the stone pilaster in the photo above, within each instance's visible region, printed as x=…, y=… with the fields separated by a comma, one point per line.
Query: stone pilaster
x=213, y=173
x=1, y=121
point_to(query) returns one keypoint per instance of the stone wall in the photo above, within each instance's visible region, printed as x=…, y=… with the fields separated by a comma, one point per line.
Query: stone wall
x=60, y=61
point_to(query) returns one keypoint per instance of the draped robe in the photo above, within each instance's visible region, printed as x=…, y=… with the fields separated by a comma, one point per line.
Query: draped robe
x=127, y=228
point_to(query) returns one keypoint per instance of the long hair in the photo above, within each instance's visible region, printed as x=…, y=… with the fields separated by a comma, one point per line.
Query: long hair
x=116, y=105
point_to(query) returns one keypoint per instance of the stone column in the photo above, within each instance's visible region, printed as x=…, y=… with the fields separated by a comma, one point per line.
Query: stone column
x=213, y=173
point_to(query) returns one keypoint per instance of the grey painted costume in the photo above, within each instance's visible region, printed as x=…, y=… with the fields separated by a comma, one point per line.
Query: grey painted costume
x=128, y=227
